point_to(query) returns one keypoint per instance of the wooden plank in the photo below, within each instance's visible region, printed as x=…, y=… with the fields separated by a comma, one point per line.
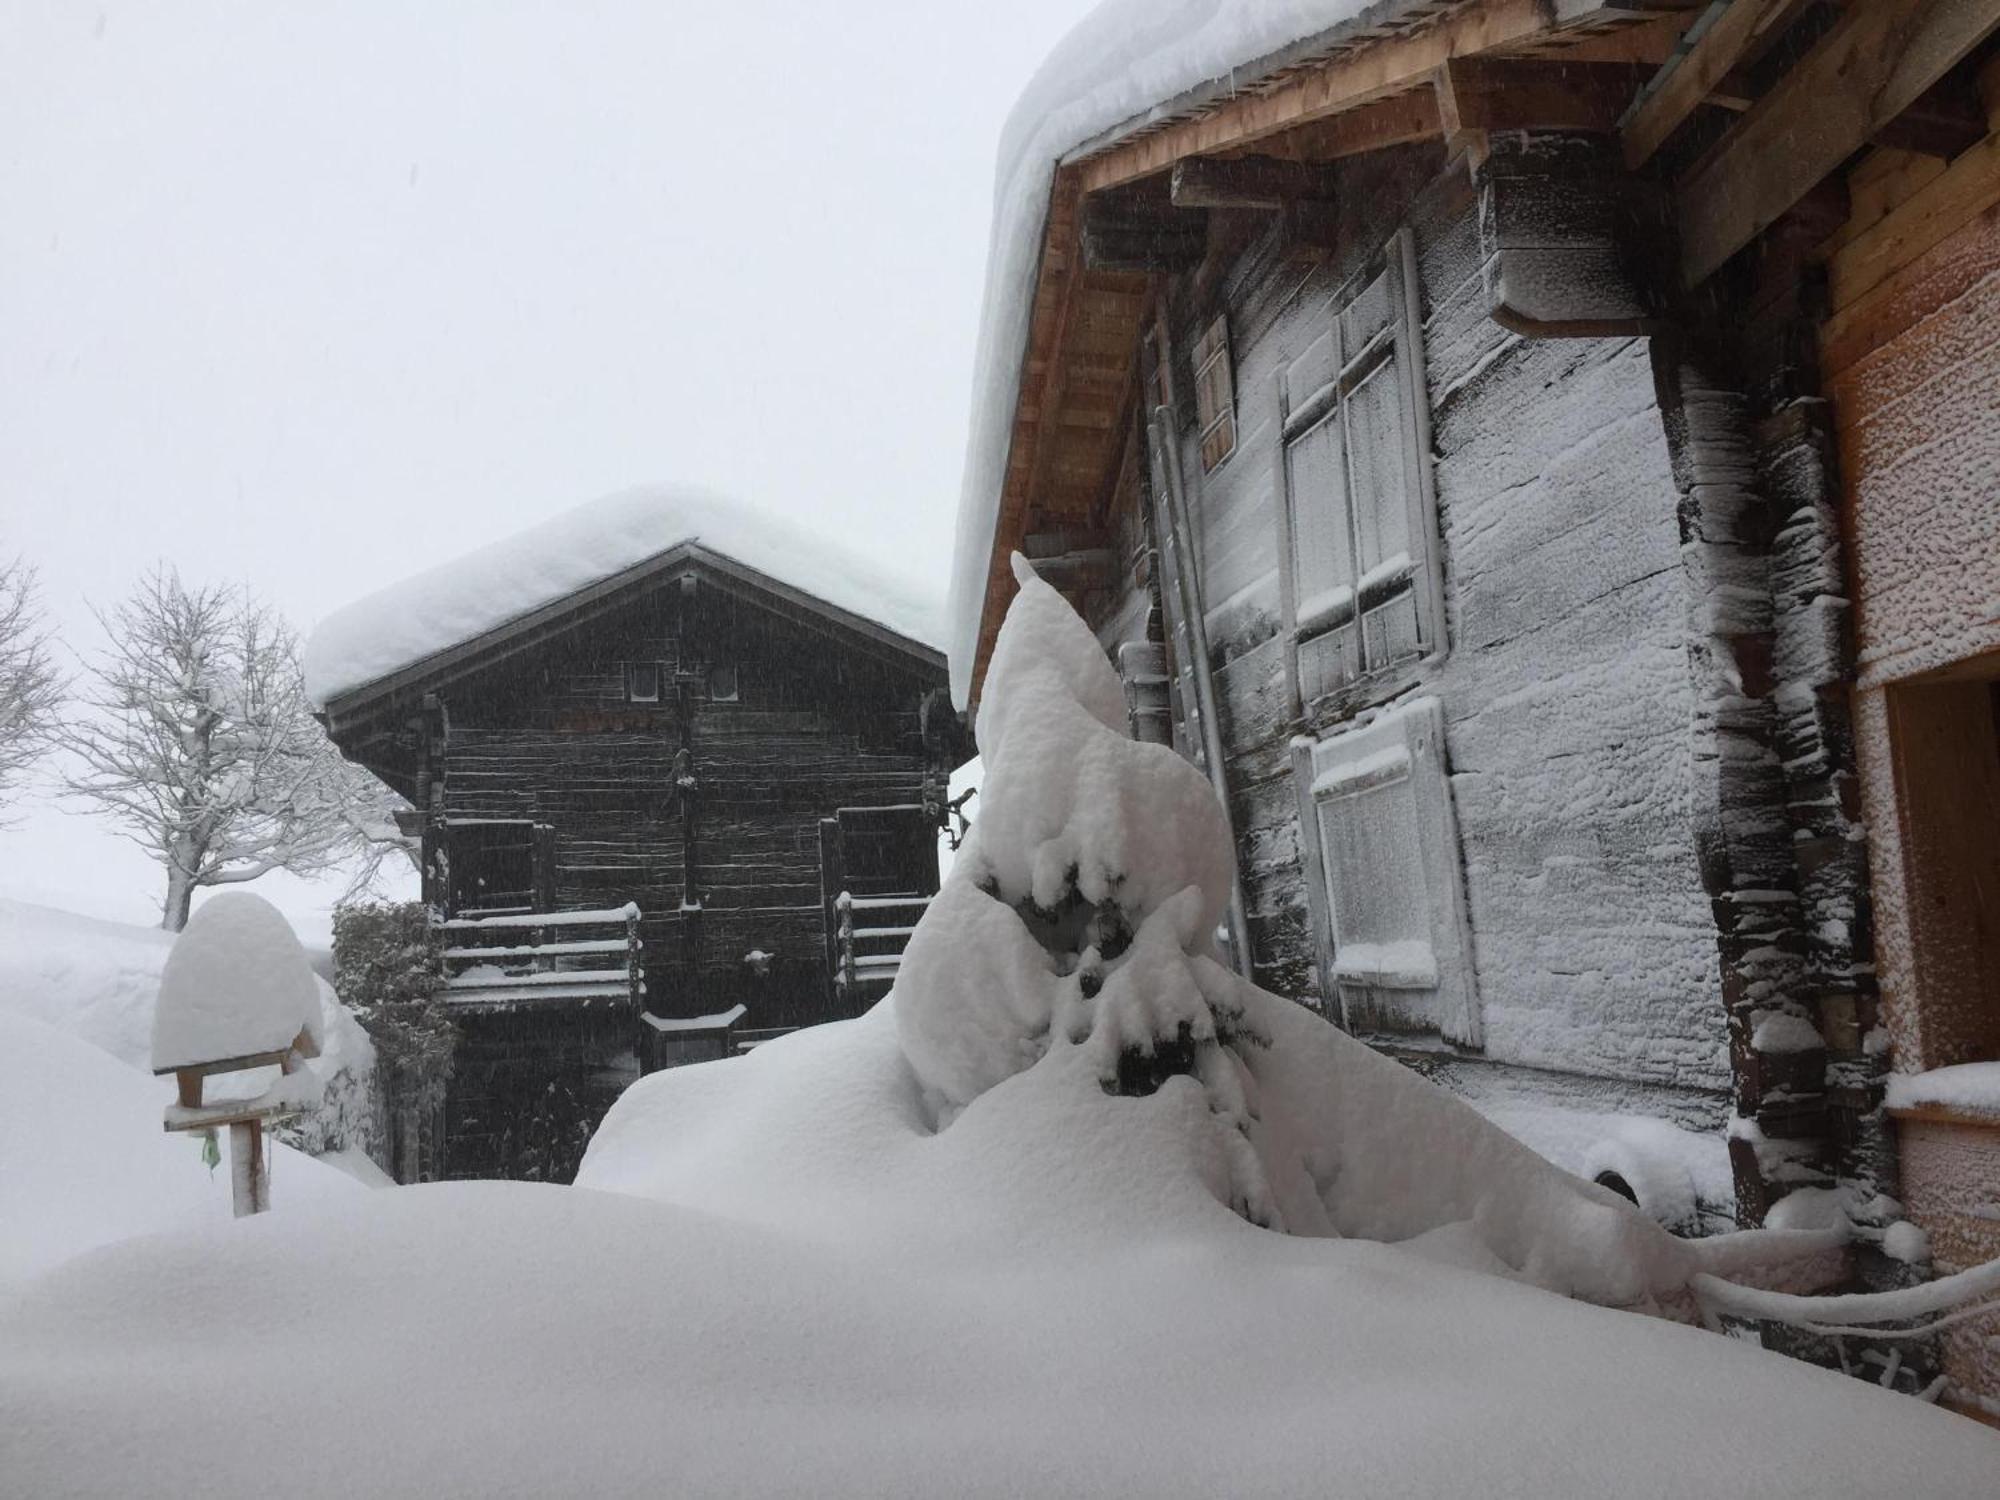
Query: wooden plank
x=1877, y=60
x=1510, y=93
x=1722, y=47
x=1963, y=191
x=1246, y=182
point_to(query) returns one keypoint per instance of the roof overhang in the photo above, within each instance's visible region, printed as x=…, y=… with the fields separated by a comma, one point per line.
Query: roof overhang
x=1394, y=75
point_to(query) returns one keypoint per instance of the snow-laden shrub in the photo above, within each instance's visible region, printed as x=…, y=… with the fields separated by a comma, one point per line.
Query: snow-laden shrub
x=350, y=1114
x=1075, y=935
x=387, y=968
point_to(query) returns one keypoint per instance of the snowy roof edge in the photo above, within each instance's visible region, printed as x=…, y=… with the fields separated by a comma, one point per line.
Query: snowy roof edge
x=687, y=549
x=514, y=581
x=1258, y=47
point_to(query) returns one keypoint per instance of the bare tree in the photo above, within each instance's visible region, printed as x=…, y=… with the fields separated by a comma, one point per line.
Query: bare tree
x=199, y=742
x=374, y=840
x=31, y=687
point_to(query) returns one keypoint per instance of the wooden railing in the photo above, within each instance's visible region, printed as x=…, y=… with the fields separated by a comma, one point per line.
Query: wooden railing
x=543, y=958
x=873, y=932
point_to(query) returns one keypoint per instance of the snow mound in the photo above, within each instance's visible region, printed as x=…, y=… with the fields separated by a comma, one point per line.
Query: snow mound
x=1073, y=938
x=97, y=980
x=1123, y=65
x=237, y=983
x=460, y=600
x=84, y=1162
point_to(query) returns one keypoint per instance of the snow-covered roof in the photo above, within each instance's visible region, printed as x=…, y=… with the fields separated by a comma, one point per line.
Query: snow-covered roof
x=1127, y=63
x=470, y=596
x=236, y=984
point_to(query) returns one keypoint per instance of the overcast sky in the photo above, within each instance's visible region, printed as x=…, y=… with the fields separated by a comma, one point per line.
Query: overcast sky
x=308, y=296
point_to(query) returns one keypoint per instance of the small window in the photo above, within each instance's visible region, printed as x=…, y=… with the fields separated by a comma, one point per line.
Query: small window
x=1388, y=893
x=1215, y=395
x=1360, y=520
x=642, y=681
x=722, y=684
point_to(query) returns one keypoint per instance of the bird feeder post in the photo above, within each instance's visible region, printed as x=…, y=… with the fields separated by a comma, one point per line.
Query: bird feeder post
x=249, y=1181
x=238, y=995
x=249, y=1165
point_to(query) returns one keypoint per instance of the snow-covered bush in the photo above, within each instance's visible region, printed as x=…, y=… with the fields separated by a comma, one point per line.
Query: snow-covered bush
x=1075, y=934
x=387, y=968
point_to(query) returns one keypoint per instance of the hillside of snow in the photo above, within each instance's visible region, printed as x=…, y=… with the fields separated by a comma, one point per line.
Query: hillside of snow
x=84, y=1162
x=798, y=1287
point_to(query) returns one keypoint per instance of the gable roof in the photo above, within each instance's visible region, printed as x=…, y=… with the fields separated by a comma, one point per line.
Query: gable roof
x=463, y=611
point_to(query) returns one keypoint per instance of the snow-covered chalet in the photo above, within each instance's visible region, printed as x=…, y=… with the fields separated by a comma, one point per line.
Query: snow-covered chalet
x=1542, y=460
x=677, y=773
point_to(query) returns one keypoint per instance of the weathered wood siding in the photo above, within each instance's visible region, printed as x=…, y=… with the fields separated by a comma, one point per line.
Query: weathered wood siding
x=1566, y=683
x=552, y=737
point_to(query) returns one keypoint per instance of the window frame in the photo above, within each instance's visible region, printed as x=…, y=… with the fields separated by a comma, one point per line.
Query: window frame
x=735, y=693
x=1403, y=743
x=632, y=693
x=1399, y=345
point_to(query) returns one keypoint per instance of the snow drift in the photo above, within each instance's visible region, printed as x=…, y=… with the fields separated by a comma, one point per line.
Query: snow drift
x=84, y=1162
x=460, y=600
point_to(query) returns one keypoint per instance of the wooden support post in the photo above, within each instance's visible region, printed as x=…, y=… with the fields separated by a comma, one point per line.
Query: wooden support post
x=249, y=1175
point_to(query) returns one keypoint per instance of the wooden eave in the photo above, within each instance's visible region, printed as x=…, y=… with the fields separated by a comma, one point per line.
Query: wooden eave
x=1380, y=81
x=351, y=716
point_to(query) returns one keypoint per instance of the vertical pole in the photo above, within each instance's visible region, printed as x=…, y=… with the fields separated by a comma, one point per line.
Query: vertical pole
x=249, y=1178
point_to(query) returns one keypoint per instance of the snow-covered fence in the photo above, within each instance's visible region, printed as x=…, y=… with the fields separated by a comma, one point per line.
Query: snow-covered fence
x=873, y=932
x=542, y=958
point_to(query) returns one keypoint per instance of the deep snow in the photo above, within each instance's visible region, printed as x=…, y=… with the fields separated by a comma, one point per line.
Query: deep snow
x=84, y=1161
x=798, y=1288
x=459, y=600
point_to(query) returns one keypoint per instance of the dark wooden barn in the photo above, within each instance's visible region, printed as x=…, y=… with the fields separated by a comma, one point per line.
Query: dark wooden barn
x=663, y=816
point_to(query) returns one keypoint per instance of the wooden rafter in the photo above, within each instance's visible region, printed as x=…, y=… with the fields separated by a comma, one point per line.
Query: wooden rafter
x=1877, y=60
x=1520, y=93
x=1731, y=40
x=1377, y=72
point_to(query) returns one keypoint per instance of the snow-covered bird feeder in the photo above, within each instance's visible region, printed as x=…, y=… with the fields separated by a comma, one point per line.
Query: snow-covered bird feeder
x=237, y=993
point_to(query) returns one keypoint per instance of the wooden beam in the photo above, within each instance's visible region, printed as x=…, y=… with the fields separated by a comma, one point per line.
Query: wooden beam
x=1518, y=93
x=1246, y=182
x=1878, y=59
x=1723, y=46
x=1146, y=247
x=1378, y=69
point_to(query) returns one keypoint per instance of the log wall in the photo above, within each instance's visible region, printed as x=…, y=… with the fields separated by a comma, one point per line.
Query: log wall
x=1567, y=686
